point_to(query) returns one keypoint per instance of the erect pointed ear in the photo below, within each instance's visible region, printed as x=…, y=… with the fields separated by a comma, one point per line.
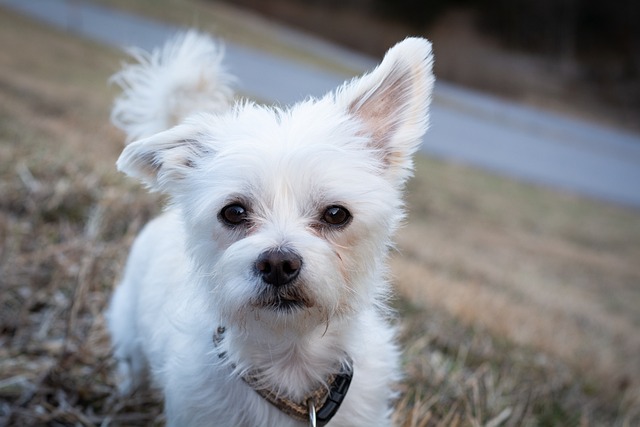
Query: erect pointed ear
x=392, y=104
x=163, y=160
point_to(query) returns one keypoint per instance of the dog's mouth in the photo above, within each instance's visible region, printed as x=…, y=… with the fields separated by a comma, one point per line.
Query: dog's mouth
x=284, y=305
x=286, y=299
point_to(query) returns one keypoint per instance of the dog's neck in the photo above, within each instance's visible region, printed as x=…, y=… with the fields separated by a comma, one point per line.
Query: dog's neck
x=288, y=360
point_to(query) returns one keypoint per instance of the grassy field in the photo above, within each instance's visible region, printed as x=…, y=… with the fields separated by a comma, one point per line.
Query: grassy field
x=518, y=306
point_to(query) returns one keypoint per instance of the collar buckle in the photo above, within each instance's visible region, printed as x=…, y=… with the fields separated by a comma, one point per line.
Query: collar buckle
x=337, y=392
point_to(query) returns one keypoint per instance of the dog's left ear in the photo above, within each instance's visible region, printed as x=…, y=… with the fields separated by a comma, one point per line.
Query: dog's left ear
x=392, y=104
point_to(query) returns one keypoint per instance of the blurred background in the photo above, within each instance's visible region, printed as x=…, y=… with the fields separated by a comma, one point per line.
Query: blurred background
x=579, y=56
x=517, y=274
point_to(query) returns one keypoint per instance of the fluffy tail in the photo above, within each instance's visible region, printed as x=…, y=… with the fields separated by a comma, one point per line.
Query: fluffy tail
x=169, y=83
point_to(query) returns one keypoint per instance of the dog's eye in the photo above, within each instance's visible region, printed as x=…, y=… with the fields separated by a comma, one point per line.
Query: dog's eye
x=336, y=216
x=233, y=214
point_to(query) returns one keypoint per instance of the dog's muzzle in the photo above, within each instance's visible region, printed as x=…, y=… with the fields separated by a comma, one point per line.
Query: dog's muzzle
x=282, y=290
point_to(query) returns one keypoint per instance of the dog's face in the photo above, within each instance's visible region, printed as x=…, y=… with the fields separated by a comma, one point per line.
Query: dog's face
x=289, y=213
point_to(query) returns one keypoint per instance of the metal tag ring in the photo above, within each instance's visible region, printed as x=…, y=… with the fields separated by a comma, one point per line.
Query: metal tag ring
x=312, y=413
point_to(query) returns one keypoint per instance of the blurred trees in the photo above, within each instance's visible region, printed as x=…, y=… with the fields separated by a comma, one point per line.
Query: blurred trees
x=585, y=29
x=593, y=44
x=591, y=30
x=417, y=13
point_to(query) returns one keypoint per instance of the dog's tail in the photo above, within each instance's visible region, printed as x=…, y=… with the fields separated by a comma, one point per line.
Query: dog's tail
x=171, y=82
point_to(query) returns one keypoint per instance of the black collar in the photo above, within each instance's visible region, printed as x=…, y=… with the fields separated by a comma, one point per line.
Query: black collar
x=320, y=404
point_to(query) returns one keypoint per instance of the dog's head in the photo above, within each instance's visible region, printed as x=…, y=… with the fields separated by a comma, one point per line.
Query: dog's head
x=289, y=213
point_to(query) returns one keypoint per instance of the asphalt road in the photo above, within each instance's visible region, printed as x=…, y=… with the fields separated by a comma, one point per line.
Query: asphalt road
x=467, y=126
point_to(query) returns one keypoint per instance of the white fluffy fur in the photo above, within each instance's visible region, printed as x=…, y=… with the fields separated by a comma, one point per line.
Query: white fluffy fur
x=188, y=273
x=170, y=83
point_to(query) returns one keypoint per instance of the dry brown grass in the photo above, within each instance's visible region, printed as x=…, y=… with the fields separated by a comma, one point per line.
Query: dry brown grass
x=65, y=221
x=552, y=278
x=518, y=306
x=529, y=254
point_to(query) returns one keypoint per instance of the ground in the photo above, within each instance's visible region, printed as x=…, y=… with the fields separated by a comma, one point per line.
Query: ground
x=517, y=305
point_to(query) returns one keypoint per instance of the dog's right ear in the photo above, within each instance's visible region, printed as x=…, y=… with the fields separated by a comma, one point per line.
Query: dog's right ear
x=164, y=160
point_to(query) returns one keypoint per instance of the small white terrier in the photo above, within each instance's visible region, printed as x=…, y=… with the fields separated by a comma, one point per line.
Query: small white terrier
x=260, y=296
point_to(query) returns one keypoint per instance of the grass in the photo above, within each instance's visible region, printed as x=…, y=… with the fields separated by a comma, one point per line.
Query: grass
x=518, y=305
x=545, y=285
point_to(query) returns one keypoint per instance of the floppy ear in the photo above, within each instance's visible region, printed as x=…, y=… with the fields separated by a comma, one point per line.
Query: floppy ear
x=392, y=104
x=163, y=160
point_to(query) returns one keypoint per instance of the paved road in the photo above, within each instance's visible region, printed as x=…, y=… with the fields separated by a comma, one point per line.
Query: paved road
x=469, y=127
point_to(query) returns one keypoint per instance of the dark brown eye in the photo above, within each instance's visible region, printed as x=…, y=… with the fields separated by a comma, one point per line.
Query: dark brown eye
x=234, y=214
x=336, y=216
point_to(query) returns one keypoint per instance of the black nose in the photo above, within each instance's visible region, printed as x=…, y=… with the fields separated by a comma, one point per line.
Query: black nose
x=278, y=267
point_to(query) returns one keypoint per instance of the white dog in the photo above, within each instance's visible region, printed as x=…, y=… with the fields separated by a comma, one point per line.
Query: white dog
x=260, y=296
